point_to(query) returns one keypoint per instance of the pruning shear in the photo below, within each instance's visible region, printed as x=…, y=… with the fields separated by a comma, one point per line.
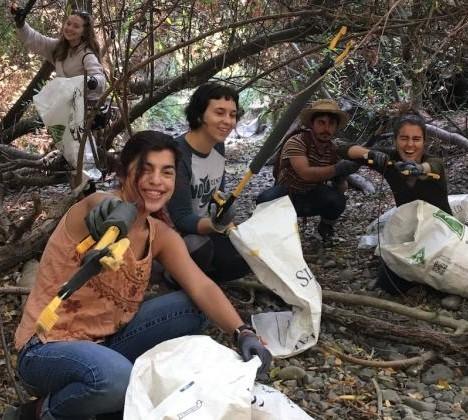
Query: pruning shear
x=285, y=121
x=406, y=172
x=106, y=254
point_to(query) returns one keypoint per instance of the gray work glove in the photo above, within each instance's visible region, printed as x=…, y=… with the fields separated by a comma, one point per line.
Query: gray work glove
x=19, y=14
x=346, y=167
x=249, y=345
x=110, y=212
x=227, y=217
x=379, y=159
x=410, y=168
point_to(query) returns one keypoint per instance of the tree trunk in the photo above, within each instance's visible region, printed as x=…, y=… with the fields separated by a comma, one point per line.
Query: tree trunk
x=20, y=129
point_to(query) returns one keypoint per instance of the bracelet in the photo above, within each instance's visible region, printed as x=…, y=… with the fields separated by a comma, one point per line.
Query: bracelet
x=243, y=327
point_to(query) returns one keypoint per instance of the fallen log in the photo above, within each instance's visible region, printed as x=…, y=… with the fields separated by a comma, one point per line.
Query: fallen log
x=447, y=136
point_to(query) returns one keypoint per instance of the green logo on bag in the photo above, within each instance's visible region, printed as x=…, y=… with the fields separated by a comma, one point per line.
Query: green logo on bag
x=56, y=131
x=418, y=258
x=452, y=223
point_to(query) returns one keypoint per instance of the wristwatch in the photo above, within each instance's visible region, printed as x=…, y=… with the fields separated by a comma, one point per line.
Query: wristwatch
x=243, y=327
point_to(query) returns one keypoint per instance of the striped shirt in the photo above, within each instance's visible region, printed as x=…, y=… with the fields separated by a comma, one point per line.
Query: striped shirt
x=318, y=154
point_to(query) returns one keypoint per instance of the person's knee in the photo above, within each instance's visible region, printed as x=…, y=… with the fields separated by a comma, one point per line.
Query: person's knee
x=109, y=383
x=335, y=204
x=272, y=193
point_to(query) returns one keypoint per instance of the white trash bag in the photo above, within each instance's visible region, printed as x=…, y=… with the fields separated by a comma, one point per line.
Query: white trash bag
x=195, y=378
x=458, y=204
x=423, y=244
x=60, y=105
x=269, y=241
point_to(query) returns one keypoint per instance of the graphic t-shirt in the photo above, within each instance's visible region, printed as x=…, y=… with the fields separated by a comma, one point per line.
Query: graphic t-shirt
x=198, y=177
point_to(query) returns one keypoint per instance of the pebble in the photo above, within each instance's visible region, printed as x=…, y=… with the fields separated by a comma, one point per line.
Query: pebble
x=447, y=396
x=347, y=275
x=390, y=395
x=464, y=404
x=463, y=382
x=444, y=407
x=329, y=264
x=451, y=302
x=371, y=284
x=291, y=372
x=419, y=405
x=291, y=384
x=436, y=373
x=367, y=373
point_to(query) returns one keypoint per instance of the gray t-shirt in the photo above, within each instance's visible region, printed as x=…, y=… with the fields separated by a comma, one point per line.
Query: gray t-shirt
x=198, y=177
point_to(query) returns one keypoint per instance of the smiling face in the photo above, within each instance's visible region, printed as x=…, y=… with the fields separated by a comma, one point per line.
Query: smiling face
x=156, y=182
x=218, y=120
x=410, y=142
x=324, y=127
x=73, y=29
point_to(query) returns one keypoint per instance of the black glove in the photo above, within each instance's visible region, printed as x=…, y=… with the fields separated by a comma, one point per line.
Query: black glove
x=110, y=212
x=346, y=167
x=379, y=159
x=19, y=15
x=227, y=217
x=92, y=83
x=249, y=345
x=410, y=168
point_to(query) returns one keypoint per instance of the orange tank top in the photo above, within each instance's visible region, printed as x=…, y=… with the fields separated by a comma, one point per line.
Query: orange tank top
x=102, y=306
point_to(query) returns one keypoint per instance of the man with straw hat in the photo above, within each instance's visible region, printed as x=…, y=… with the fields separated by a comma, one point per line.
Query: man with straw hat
x=310, y=168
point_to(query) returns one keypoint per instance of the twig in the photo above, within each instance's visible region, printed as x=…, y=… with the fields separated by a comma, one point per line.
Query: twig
x=378, y=391
x=394, y=364
x=14, y=290
x=8, y=364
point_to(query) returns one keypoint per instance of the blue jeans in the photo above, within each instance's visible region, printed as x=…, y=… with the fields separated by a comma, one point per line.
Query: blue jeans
x=80, y=379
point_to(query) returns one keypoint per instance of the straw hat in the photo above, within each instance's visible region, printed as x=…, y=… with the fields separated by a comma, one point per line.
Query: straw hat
x=328, y=106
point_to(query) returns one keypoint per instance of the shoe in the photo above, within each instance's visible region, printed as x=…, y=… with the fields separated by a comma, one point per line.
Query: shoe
x=325, y=230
